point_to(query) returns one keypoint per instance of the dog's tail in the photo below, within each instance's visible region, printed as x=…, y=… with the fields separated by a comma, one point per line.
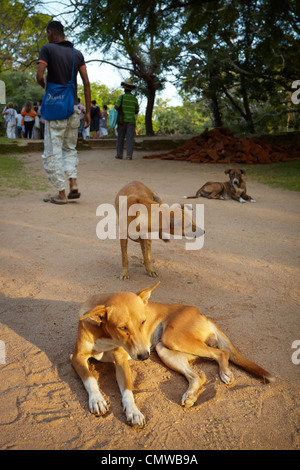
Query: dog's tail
x=190, y=197
x=239, y=359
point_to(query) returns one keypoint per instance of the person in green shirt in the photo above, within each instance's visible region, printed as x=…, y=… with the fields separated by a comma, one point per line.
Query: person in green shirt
x=130, y=108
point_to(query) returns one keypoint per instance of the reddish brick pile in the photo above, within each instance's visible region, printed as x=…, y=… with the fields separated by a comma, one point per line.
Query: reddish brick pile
x=220, y=146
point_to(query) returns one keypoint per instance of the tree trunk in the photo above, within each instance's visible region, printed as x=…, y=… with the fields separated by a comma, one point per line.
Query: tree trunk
x=248, y=114
x=214, y=106
x=149, y=109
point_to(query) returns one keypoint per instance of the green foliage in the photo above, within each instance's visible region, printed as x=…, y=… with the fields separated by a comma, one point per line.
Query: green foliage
x=241, y=54
x=135, y=37
x=187, y=119
x=22, y=33
x=101, y=93
x=20, y=87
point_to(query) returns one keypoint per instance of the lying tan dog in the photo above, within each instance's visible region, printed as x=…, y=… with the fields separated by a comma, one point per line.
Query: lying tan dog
x=178, y=221
x=235, y=188
x=114, y=327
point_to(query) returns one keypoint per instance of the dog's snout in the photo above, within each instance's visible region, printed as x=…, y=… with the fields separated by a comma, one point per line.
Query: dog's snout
x=143, y=356
x=235, y=181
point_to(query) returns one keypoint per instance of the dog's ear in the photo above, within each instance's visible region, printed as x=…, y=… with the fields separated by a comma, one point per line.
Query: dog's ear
x=97, y=313
x=243, y=171
x=227, y=171
x=146, y=293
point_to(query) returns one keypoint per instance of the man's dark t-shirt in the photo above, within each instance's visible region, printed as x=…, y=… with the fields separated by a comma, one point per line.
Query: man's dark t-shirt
x=58, y=56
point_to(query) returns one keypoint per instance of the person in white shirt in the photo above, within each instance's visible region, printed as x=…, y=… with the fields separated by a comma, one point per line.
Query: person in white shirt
x=11, y=120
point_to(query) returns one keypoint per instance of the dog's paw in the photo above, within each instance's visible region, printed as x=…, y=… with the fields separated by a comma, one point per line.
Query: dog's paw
x=241, y=200
x=152, y=273
x=188, y=399
x=124, y=275
x=252, y=200
x=226, y=376
x=98, y=405
x=135, y=417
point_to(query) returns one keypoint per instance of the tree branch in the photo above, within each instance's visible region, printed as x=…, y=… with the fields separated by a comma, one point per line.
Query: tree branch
x=110, y=63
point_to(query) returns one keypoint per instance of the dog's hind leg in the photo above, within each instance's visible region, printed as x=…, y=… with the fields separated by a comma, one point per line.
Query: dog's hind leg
x=180, y=363
x=190, y=342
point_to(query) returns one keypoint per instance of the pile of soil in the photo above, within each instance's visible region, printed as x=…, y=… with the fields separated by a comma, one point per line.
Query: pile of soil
x=221, y=146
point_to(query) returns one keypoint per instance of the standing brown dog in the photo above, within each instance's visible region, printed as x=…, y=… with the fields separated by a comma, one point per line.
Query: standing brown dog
x=235, y=188
x=178, y=222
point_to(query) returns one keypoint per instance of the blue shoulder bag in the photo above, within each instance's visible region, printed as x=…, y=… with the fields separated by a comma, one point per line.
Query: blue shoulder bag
x=58, y=102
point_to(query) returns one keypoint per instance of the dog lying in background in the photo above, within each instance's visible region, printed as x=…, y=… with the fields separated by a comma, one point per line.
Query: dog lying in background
x=235, y=188
x=179, y=222
x=116, y=327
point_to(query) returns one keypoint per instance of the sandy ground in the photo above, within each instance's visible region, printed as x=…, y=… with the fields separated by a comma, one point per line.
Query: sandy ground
x=246, y=278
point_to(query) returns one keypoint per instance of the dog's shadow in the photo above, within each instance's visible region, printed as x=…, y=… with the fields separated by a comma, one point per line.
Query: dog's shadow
x=50, y=326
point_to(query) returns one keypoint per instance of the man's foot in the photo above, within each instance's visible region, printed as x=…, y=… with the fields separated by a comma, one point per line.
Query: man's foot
x=60, y=199
x=74, y=193
x=56, y=200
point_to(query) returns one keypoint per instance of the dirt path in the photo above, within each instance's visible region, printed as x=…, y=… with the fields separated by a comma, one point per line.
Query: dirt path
x=246, y=278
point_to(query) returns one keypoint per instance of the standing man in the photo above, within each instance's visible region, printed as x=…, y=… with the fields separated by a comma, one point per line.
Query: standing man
x=60, y=136
x=128, y=106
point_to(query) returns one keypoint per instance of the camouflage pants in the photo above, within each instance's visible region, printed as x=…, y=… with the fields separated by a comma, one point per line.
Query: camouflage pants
x=60, y=155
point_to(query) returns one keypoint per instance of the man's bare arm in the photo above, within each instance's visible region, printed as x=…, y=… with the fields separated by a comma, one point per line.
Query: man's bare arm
x=40, y=74
x=87, y=95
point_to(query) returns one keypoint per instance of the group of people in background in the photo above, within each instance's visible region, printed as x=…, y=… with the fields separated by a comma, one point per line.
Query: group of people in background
x=28, y=122
x=25, y=123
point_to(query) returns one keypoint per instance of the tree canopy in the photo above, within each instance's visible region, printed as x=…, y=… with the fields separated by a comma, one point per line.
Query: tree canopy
x=22, y=33
x=135, y=37
x=241, y=55
x=237, y=56
x=235, y=60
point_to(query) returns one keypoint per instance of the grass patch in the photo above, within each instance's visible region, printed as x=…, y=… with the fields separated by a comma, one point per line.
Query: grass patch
x=277, y=175
x=6, y=140
x=15, y=177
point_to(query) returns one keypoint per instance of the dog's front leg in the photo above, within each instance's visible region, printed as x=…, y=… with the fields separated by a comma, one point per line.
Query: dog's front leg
x=97, y=403
x=133, y=415
x=124, y=273
x=248, y=198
